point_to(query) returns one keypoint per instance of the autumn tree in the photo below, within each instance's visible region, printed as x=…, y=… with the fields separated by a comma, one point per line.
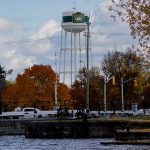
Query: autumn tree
x=127, y=65
x=10, y=96
x=137, y=14
x=35, y=88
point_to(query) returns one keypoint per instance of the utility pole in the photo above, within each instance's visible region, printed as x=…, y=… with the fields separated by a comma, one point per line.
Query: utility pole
x=87, y=56
x=105, y=82
x=56, y=84
x=122, y=94
x=56, y=101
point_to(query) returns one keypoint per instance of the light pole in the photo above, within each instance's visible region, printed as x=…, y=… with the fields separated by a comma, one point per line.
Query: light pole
x=122, y=91
x=105, y=93
x=56, y=100
x=87, y=68
x=105, y=82
x=56, y=85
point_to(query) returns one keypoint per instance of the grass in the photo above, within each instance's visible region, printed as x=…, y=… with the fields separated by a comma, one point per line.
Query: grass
x=135, y=130
x=131, y=119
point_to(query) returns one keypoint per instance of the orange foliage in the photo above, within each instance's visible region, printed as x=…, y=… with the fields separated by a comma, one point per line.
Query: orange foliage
x=10, y=96
x=35, y=88
x=64, y=96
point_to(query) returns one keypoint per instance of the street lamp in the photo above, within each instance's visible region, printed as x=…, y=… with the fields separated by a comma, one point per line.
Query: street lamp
x=122, y=90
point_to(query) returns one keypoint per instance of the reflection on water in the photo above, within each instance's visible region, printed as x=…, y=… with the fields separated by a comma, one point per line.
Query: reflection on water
x=21, y=143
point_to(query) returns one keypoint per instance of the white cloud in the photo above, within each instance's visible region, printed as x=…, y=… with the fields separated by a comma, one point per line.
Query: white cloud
x=108, y=33
x=6, y=25
x=2, y=39
x=7, y=54
x=39, y=47
x=19, y=63
x=48, y=30
x=104, y=6
x=12, y=59
x=9, y=26
x=46, y=46
x=23, y=55
x=11, y=53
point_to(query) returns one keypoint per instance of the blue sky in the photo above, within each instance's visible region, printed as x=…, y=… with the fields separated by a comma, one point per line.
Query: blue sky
x=46, y=9
x=31, y=20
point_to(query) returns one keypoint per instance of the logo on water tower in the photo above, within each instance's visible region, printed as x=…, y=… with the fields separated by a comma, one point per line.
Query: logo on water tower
x=78, y=17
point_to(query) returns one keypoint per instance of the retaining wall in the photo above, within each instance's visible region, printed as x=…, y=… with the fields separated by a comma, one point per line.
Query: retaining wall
x=12, y=127
x=66, y=128
x=71, y=129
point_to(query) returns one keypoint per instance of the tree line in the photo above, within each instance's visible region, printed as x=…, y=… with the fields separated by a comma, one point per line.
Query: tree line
x=132, y=68
x=36, y=86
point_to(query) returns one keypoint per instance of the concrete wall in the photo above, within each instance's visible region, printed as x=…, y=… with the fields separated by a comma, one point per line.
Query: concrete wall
x=132, y=136
x=66, y=128
x=12, y=127
x=70, y=129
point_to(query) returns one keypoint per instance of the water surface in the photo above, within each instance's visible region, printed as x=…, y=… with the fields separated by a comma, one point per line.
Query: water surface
x=22, y=143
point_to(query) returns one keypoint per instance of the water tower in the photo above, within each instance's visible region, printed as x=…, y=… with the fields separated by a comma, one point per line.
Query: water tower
x=73, y=44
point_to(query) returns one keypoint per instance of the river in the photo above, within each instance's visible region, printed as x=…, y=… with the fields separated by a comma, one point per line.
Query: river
x=22, y=143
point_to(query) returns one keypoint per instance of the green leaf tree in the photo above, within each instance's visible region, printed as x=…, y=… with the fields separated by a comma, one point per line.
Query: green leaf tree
x=78, y=89
x=137, y=14
x=146, y=101
x=3, y=74
x=127, y=65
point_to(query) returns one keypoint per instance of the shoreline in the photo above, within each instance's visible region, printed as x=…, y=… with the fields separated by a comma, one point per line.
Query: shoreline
x=92, y=128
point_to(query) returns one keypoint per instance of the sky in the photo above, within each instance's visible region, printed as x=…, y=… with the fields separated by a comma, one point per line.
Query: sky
x=30, y=32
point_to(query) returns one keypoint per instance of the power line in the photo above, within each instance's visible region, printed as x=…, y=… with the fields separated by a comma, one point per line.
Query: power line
x=31, y=19
x=30, y=40
x=38, y=28
x=102, y=33
x=114, y=34
x=27, y=40
x=21, y=41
